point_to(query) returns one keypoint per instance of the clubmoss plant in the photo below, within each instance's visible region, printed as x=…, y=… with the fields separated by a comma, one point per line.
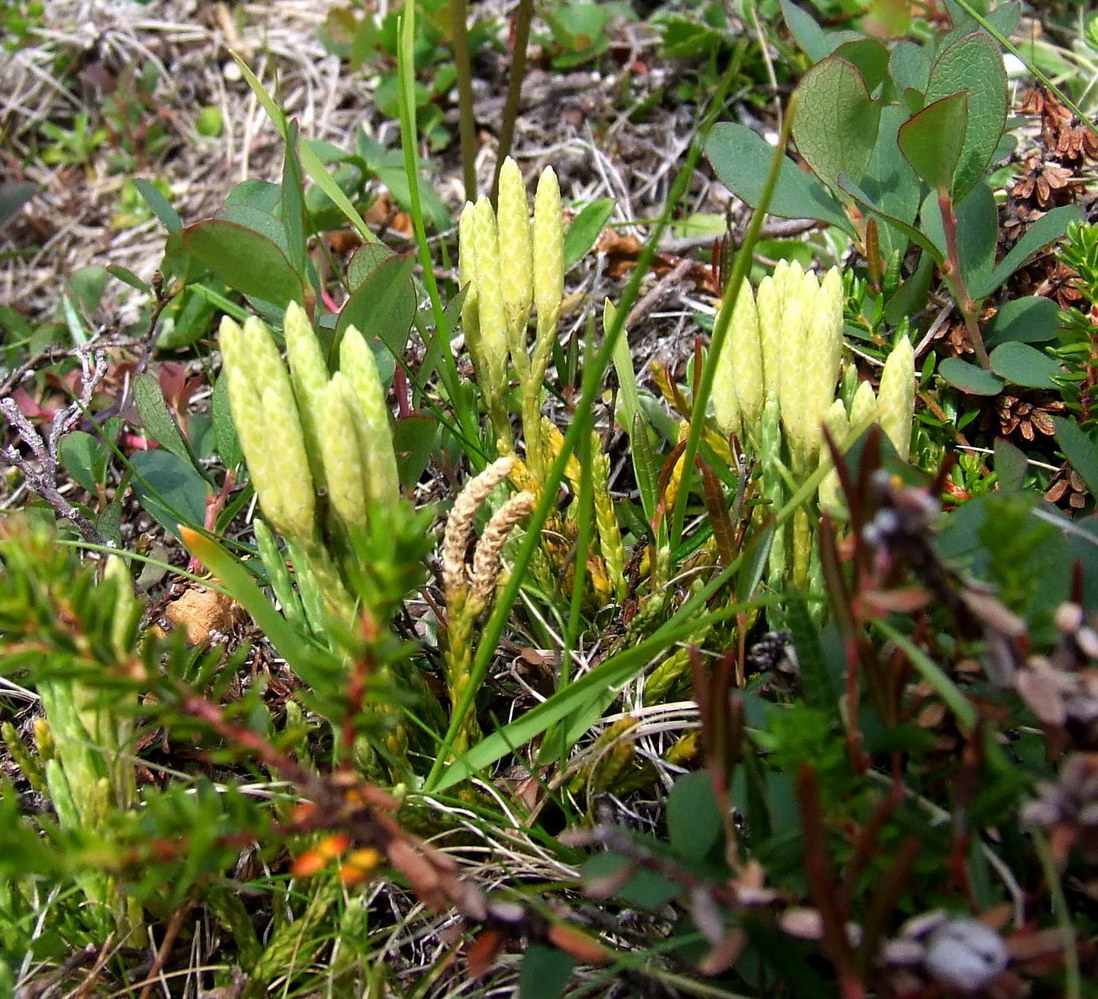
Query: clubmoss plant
x=320, y=451
x=79, y=636
x=510, y=267
x=775, y=387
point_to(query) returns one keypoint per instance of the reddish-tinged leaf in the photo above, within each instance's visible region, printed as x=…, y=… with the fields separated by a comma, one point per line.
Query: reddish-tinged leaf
x=481, y=954
x=580, y=945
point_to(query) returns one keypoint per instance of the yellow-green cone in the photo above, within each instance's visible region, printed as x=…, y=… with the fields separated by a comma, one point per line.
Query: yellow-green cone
x=340, y=452
x=309, y=377
x=375, y=436
x=896, y=396
x=493, y=319
x=548, y=239
x=516, y=255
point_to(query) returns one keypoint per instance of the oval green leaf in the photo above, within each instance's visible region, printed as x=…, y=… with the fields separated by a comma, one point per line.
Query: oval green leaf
x=1034, y=319
x=973, y=64
x=246, y=261
x=1020, y=364
x=742, y=160
x=586, y=228
x=932, y=139
x=835, y=124
x=969, y=378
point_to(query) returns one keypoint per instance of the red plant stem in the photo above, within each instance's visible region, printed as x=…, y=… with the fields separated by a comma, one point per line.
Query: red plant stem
x=214, y=506
x=245, y=738
x=356, y=690
x=822, y=887
x=956, y=278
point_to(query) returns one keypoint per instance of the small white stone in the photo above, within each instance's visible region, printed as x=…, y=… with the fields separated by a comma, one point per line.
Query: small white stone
x=965, y=954
x=1015, y=68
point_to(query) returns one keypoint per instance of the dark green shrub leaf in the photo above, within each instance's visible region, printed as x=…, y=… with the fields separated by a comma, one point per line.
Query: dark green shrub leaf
x=383, y=307
x=1034, y=319
x=969, y=378
x=835, y=126
x=1010, y=465
x=866, y=202
x=169, y=488
x=1079, y=449
x=159, y=205
x=646, y=888
x=246, y=261
x=891, y=183
x=228, y=443
x=813, y=40
x=545, y=972
x=258, y=220
x=869, y=57
x=977, y=231
x=909, y=66
x=366, y=260
x=974, y=64
x=85, y=458
x=931, y=140
x=159, y=423
x=261, y=195
x=742, y=160
x=1023, y=365
x=693, y=817
x=585, y=230
x=1047, y=229
x=415, y=441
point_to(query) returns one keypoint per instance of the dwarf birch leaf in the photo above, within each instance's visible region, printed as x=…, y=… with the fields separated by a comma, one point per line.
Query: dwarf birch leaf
x=969, y=378
x=973, y=64
x=742, y=159
x=1034, y=319
x=815, y=42
x=1023, y=365
x=932, y=139
x=1079, y=449
x=246, y=261
x=835, y=127
x=1048, y=228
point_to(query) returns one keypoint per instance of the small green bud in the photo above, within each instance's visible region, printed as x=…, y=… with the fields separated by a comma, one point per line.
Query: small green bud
x=863, y=407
